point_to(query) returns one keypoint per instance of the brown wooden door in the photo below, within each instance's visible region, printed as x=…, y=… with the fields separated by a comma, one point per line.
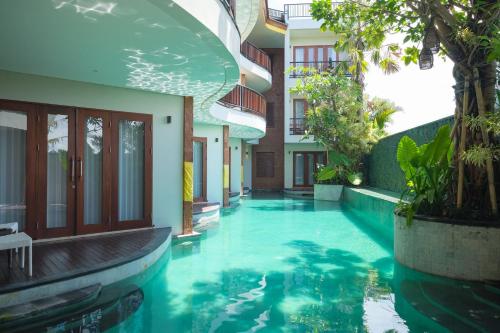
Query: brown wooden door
x=56, y=171
x=93, y=171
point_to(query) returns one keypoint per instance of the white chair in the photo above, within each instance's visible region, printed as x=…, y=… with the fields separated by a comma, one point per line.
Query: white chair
x=12, y=226
x=19, y=240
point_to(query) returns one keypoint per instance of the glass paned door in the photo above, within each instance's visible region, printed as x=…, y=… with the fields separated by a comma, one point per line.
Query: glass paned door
x=305, y=166
x=13, y=140
x=92, y=168
x=131, y=170
x=199, y=169
x=57, y=171
x=299, y=169
x=310, y=169
x=131, y=164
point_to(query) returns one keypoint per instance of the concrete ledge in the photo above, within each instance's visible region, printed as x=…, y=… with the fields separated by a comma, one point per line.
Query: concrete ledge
x=105, y=277
x=450, y=250
x=298, y=193
x=374, y=208
x=204, y=213
x=328, y=192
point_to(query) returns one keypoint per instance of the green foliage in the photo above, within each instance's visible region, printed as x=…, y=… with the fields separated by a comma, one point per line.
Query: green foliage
x=478, y=154
x=427, y=169
x=338, y=171
x=466, y=29
x=342, y=120
x=355, y=40
x=326, y=174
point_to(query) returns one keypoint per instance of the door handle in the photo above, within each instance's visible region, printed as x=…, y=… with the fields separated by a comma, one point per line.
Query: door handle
x=72, y=161
x=80, y=161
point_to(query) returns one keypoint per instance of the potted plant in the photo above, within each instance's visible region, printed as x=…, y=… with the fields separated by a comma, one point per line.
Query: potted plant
x=424, y=220
x=330, y=179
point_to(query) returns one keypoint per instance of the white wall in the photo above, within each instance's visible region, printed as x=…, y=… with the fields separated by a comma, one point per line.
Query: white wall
x=289, y=149
x=247, y=166
x=235, y=145
x=303, y=32
x=214, y=159
x=167, y=138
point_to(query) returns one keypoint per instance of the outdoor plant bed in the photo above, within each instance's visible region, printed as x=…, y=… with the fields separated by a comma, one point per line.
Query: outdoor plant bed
x=452, y=248
x=328, y=192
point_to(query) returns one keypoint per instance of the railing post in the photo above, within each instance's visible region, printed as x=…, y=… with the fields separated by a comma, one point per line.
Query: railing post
x=241, y=98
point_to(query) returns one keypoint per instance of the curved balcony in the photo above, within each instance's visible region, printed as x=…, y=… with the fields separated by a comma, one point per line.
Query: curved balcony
x=255, y=64
x=244, y=110
x=246, y=13
x=246, y=100
x=256, y=55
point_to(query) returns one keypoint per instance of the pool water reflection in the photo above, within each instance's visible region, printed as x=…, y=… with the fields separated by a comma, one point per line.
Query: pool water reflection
x=286, y=265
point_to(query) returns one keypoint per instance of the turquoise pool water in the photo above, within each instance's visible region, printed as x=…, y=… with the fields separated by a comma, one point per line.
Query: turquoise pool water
x=287, y=265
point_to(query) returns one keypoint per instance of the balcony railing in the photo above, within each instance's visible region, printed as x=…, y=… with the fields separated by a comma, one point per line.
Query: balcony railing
x=276, y=15
x=318, y=66
x=300, y=9
x=246, y=100
x=297, y=126
x=230, y=7
x=256, y=55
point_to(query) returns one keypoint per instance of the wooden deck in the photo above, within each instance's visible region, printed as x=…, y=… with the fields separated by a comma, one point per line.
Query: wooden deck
x=65, y=259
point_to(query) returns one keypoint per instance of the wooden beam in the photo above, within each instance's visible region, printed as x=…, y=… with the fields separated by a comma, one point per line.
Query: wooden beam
x=187, y=204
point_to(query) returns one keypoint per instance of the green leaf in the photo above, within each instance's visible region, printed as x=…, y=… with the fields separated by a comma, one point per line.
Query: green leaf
x=407, y=150
x=326, y=174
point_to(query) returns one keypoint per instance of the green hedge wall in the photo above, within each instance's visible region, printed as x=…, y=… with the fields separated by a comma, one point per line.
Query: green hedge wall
x=383, y=168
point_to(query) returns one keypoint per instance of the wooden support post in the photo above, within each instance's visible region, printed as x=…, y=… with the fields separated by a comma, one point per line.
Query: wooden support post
x=187, y=205
x=242, y=171
x=463, y=135
x=486, y=141
x=225, y=161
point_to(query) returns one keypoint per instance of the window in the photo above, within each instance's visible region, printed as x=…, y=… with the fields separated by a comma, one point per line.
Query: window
x=132, y=170
x=265, y=165
x=297, y=122
x=299, y=55
x=59, y=175
x=270, y=115
x=299, y=108
x=13, y=138
x=305, y=165
x=199, y=169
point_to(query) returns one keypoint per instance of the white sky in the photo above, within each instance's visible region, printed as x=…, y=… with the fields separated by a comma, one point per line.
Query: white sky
x=424, y=96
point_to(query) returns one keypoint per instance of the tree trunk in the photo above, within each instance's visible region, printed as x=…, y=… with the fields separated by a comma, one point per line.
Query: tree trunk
x=476, y=199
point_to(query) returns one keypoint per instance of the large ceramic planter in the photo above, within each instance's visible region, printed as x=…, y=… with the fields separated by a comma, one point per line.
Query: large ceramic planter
x=328, y=192
x=458, y=251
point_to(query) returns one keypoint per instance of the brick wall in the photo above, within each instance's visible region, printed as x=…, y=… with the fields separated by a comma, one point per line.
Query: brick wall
x=273, y=141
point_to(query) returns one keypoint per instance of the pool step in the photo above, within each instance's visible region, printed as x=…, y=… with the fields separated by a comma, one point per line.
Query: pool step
x=18, y=315
x=111, y=306
x=450, y=306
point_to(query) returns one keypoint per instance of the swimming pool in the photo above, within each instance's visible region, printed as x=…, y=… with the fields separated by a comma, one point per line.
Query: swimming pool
x=287, y=265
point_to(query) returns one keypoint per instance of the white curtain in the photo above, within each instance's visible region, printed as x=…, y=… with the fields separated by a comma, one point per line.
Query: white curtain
x=92, y=212
x=13, y=126
x=131, y=170
x=57, y=170
x=299, y=169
